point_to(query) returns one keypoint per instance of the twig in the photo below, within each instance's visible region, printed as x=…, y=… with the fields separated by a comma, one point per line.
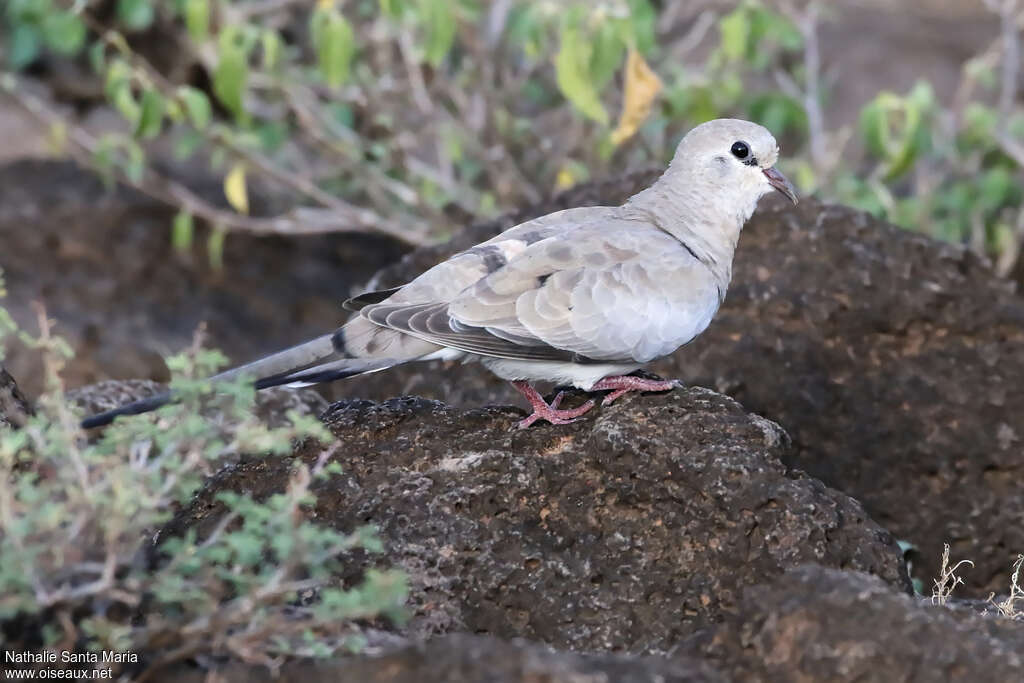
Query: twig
x=340, y=217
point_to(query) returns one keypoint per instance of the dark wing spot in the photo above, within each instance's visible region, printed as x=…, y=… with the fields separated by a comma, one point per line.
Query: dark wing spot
x=373, y=344
x=357, y=303
x=338, y=340
x=543, y=279
x=596, y=258
x=492, y=257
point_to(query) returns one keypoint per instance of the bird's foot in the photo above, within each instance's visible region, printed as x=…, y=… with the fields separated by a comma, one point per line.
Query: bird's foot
x=623, y=384
x=550, y=412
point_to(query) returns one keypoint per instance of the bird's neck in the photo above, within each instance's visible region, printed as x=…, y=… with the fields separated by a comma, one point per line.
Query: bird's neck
x=710, y=228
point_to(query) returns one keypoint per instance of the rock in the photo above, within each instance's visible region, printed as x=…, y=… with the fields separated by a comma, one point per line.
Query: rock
x=895, y=362
x=817, y=624
x=14, y=407
x=470, y=659
x=101, y=261
x=624, y=532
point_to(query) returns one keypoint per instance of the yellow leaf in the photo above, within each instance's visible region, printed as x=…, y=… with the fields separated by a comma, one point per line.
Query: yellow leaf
x=325, y=4
x=564, y=180
x=234, y=189
x=642, y=87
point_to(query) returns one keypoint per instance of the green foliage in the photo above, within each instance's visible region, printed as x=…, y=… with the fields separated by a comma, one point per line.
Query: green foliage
x=76, y=519
x=408, y=109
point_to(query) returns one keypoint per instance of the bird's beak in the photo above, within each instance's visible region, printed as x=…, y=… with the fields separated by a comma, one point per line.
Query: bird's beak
x=780, y=183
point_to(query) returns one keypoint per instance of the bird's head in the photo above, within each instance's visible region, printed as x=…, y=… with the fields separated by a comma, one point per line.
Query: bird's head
x=731, y=159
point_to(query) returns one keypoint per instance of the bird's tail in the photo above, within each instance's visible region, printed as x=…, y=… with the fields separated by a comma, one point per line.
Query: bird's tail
x=314, y=362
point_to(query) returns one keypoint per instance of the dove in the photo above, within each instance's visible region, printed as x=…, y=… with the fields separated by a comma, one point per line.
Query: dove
x=582, y=297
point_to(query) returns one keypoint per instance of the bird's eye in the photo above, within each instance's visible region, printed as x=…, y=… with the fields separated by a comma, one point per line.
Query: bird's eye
x=740, y=150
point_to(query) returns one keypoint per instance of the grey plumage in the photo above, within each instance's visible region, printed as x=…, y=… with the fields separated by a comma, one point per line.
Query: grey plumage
x=574, y=297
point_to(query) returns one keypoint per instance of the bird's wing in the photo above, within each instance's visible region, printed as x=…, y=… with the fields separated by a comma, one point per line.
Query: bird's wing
x=610, y=290
x=447, y=279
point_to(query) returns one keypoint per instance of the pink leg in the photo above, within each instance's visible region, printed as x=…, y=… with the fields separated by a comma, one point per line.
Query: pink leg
x=543, y=411
x=624, y=384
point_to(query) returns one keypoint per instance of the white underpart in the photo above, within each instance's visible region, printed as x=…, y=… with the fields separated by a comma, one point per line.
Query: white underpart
x=581, y=376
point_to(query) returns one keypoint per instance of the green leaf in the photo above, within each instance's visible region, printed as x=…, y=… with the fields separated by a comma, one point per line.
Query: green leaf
x=64, y=32
x=151, y=116
x=334, y=41
x=183, y=231
x=271, y=43
x=232, y=73
x=197, y=19
x=734, y=29
x=197, y=106
x=25, y=44
x=124, y=101
x=440, y=21
x=393, y=8
x=136, y=15
x=607, y=48
x=573, y=77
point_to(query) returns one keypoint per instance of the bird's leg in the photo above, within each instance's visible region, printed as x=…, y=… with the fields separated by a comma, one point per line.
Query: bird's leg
x=623, y=384
x=543, y=411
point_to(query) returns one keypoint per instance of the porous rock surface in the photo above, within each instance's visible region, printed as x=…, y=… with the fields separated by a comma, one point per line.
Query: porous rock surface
x=14, y=407
x=894, y=361
x=819, y=624
x=462, y=658
x=625, y=532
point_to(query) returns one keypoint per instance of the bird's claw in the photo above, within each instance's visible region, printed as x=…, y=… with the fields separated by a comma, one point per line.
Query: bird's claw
x=552, y=414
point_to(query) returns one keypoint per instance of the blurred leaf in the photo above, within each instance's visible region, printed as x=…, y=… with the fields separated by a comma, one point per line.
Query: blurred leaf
x=151, y=116
x=64, y=32
x=135, y=168
x=393, y=8
x=642, y=87
x=25, y=44
x=125, y=103
x=734, y=29
x=232, y=72
x=235, y=189
x=440, y=20
x=573, y=77
x=271, y=43
x=186, y=143
x=136, y=15
x=197, y=105
x=98, y=57
x=215, y=247
x=644, y=20
x=996, y=189
x=778, y=113
x=183, y=231
x=197, y=19
x=895, y=128
x=334, y=42
x=606, y=50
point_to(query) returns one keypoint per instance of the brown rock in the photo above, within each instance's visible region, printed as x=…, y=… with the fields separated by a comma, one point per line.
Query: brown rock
x=14, y=407
x=471, y=659
x=624, y=532
x=817, y=624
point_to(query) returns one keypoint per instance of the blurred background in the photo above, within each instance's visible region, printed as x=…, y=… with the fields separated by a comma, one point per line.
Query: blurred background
x=257, y=159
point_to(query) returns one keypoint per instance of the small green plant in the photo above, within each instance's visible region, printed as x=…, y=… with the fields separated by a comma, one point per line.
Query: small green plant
x=77, y=567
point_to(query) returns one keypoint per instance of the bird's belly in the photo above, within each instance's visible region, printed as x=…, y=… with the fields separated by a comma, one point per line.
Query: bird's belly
x=580, y=375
